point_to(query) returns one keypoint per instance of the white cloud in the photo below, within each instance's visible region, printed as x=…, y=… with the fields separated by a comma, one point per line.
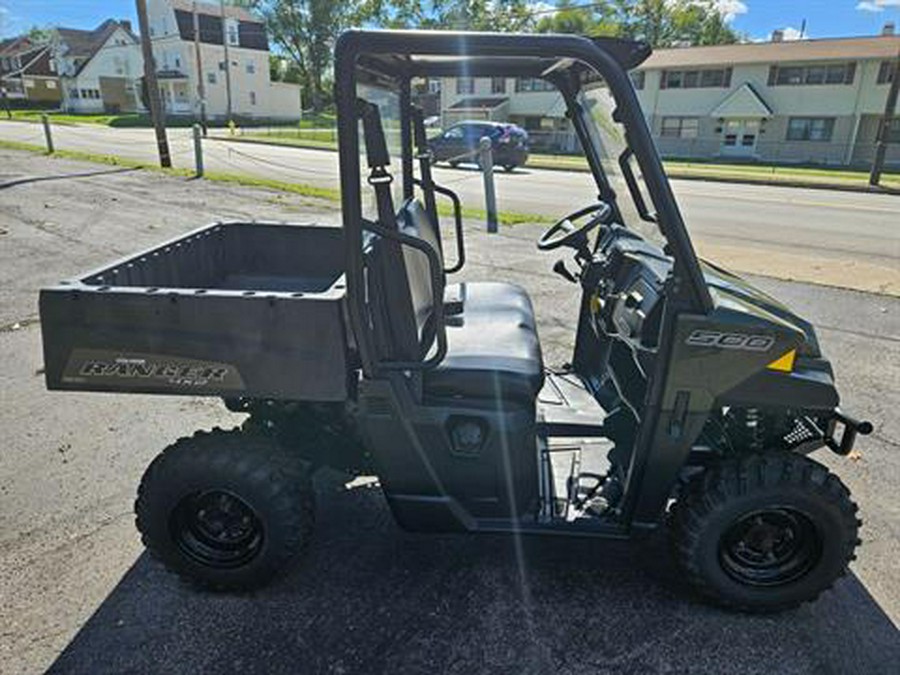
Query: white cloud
x=791, y=34
x=731, y=8
x=876, y=5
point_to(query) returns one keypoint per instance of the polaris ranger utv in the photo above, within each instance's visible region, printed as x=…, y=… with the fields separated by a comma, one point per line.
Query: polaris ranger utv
x=692, y=400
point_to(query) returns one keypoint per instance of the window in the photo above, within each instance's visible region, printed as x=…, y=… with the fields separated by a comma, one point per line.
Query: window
x=434, y=85
x=836, y=73
x=892, y=130
x=792, y=75
x=221, y=65
x=232, y=34
x=692, y=79
x=178, y=62
x=465, y=85
x=680, y=127
x=252, y=98
x=810, y=128
x=251, y=68
x=526, y=84
x=211, y=78
x=51, y=84
x=885, y=72
x=638, y=77
x=815, y=75
x=498, y=85
x=73, y=93
x=454, y=133
x=85, y=93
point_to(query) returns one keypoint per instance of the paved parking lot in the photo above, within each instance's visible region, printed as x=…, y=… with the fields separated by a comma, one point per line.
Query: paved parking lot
x=78, y=595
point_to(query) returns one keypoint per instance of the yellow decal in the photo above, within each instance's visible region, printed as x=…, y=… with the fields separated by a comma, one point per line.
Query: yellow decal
x=784, y=363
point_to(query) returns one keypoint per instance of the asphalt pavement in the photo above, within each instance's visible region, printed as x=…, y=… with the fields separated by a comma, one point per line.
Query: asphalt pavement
x=829, y=237
x=78, y=595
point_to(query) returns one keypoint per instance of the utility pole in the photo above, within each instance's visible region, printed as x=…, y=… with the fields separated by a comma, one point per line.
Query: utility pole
x=227, y=62
x=201, y=87
x=887, y=124
x=156, y=112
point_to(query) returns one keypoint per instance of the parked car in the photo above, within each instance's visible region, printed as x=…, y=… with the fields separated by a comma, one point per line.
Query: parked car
x=459, y=144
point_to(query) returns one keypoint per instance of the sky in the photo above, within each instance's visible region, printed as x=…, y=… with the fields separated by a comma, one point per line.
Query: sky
x=754, y=18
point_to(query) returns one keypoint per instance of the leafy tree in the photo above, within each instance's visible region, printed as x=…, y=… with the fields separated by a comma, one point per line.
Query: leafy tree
x=39, y=35
x=494, y=15
x=662, y=23
x=305, y=31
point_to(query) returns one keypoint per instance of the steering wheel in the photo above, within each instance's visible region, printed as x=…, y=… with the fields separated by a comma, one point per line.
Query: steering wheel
x=566, y=233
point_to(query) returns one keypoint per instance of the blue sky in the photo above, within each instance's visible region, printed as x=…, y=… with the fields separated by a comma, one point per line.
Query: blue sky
x=757, y=18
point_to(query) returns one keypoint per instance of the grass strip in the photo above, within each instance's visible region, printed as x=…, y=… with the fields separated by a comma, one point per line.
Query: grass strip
x=302, y=189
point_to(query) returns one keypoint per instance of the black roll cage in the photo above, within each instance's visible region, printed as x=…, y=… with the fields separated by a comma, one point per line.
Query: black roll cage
x=392, y=58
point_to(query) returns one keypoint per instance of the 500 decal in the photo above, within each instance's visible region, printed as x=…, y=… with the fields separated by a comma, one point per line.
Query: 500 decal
x=711, y=338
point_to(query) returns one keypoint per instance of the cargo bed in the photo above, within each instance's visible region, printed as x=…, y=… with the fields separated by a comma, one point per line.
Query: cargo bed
x=232, y=309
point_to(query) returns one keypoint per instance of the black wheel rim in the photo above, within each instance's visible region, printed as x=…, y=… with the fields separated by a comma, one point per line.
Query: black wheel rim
x=771, y=547
x=217, y=528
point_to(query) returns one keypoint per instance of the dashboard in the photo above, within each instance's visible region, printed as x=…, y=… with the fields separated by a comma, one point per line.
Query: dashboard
x=628, y=276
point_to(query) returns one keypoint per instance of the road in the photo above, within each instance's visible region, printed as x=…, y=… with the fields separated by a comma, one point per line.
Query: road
x=78, y=595
x=836, y=238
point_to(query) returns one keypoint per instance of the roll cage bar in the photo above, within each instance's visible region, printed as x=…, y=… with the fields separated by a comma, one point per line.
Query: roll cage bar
x=392, y=58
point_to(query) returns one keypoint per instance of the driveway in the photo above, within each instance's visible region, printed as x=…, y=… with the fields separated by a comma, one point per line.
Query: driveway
x=78, y=595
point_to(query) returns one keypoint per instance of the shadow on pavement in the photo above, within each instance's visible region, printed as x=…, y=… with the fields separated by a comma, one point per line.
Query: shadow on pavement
x=369, y=598
x=41, y=179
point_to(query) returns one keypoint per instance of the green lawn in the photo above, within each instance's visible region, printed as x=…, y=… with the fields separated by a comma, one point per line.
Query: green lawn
x=142, y=120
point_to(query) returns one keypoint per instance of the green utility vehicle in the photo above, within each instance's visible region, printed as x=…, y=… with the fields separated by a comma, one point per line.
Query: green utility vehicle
x=692, y=400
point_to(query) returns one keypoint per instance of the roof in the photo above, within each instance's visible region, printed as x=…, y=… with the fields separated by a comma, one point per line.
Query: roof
x=478, y=102
x=15, y=45
x=86, y=43
x=832, y=49
x=743, y=102
x=40, y=66
x=215, y=9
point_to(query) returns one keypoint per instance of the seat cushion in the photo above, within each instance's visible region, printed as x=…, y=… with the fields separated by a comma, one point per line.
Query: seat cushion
x=489, y=297
x=493, y=349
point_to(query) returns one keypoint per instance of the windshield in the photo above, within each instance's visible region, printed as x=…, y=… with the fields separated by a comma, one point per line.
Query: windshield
x=608, y=137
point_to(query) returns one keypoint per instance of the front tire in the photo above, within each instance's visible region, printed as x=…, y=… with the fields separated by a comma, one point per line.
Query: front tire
x=765, y=533
x=225, y=509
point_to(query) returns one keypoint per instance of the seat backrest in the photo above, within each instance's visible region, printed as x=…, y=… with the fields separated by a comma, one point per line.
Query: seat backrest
x=401, y=290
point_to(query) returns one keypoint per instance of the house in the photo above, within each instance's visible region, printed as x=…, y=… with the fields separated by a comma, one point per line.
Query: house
x=100, y=69
x=27, y=71
x=238, y=84
x=804, y=101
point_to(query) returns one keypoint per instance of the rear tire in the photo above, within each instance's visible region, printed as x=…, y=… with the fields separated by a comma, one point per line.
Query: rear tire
x=225, y=509
x=509, y=168
x=765, y=533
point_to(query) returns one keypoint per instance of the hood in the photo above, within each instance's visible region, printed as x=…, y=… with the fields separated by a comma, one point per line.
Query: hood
x=741, y=292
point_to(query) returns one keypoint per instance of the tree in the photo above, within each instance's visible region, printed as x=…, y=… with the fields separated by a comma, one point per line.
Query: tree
x=494, y=15
x=671, y=23
x=305, y=31
x=662, y=23
x=39, y=35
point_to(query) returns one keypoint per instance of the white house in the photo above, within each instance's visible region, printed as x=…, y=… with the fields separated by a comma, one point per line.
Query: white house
x=99, y=70
x=238, y=85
